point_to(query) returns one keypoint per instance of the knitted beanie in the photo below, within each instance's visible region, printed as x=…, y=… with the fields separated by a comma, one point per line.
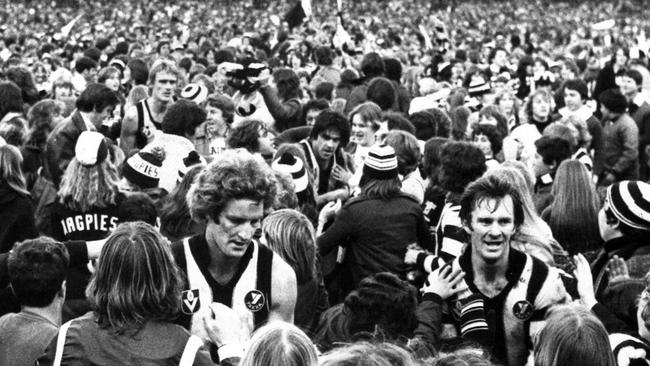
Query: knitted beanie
x=478, y=87
x=287, y=163
x=629, y=201
x=381, y=163
x=143, y=168
x=91, y=149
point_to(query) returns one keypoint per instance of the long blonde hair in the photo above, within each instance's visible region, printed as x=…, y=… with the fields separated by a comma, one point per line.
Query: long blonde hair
x=11, y=172
x=83, y=187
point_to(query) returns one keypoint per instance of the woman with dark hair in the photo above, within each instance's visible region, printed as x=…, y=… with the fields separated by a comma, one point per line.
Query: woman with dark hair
x=488, y=138
x=175, y=220
x=282, y=98
x=135, y=295
x=290, y=234
x=573, y=213
x=377, y=226
x=16, y=210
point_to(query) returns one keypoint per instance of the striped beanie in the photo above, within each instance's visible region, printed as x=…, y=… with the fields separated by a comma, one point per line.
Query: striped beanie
x=195, y=93
x=143, y=168
x=381, y=163
x=287, y=163
x=629, y=201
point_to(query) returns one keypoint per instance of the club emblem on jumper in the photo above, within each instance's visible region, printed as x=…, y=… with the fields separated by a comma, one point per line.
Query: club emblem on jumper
x=190, y=302
x=523, y=310
x=254, y=300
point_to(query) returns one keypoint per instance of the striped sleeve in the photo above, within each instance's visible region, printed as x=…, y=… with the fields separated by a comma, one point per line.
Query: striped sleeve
x=451, y=235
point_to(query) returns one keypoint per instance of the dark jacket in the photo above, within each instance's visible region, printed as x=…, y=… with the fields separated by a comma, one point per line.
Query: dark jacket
x=16, y=218
x=641, y=115
x=634, y=250
x=286, y=114
x=376, y=233
x=60, y=146
x=621, y=148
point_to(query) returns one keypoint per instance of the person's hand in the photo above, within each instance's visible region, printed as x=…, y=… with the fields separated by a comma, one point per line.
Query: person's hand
x=328, y=211
x=411, y=256
x=263, y=78
x=444, y=282
x=582, y=273
x=341, y=174
x=617, y=270
x=224, y=326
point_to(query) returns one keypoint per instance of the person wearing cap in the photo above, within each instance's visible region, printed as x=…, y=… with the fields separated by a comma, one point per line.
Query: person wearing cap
x=95, y=104
x=377, y=226
x=144, y=120
x=624, y=224
x=620, y=139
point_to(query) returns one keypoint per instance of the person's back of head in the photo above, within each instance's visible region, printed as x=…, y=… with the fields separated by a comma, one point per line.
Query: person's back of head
x=460, y=164
x=465, y=356
x=139, y=71
x=393, y=69
x=96, y=97
x=136, y=279
x=572, y=336
x=280, y=344
x=397, y=121
x=37, y=269
x=138, y=206
x=182, y=118
x=382, y=306
x=382, y=92
x=553, y=150
x=368, y=354
x=372, y=65
x=84, y=63
x=431, y=123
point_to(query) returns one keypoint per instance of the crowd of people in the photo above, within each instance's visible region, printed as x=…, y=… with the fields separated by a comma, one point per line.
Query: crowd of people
x=324, y=183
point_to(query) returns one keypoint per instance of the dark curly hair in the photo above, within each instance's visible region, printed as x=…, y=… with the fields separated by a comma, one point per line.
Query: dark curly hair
x=245, y=135
x=492, y=133
x=182, y=118
x=234, y=174
x=37, y=268
x=460, y=164
x=288, y=83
